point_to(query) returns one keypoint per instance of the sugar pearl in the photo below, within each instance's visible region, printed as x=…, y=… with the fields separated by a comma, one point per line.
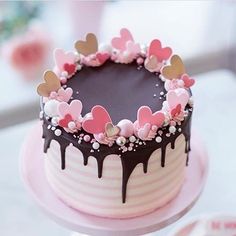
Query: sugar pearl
x=57, y=132
x=161, y=93
x=172, y=129
x=64, y=73
x=132, y=139
x=121, y=141
x=54, y=121
x=71, y=125
x=140, y=60
x=158, y=139
x=41, y=114
x=87, y=138
x=96, y=145
x=79, y=67
x=63, y=79
x=50, y=108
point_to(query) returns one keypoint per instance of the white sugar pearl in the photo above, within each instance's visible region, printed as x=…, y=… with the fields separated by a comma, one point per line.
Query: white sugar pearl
x=161, y=93
x=172, y=129
x=50, y=108
x=54, y=121
x=96, y=145
x=79, y=67
x=57, y=132
x=158, y=139
x=191, y=101
x=71, y=125
x=64, y=73
x=132, y=139
x=121, y=141
x=41, y=115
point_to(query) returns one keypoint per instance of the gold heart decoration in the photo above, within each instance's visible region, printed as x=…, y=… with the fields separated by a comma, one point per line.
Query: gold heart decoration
x=52, y=83
x=89, y=46
x=111, y=130
x=175, y=70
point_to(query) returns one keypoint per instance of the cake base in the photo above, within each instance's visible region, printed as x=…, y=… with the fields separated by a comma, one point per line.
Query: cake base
x=32, y=172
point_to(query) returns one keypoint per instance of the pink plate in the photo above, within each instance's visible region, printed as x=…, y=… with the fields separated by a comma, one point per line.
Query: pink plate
x=32, y=171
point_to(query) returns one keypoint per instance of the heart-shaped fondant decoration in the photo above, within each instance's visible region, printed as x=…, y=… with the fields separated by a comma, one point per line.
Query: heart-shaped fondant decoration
x=102, y=57
x=88, y=47
x=70, y=68
x=52, y=83
x=152, y=64
x=160, y=53
x=177, y=96
x=188, y=82
x=120, y=42
x=175, y=70
x=176, y=111
x=97, y=123
x=65, y=121
x=61, y=57
x=144, y=131
x=145, y=116
x=111, y=130
x=74, y=109
x=62, y=94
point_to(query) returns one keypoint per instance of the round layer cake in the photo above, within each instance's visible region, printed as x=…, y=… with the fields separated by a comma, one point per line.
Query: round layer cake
x=116, y=126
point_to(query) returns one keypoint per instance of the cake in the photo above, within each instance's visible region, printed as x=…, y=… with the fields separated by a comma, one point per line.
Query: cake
x=116, y=121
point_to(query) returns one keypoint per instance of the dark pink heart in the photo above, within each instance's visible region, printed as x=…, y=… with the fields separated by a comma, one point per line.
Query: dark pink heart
x=145, y=116
x=64, y=122
x=188, y=82
x=120, y=42
x=70, y=68
x=176, y=111
x=160, y=53
x=102, y=57
x=97, y=122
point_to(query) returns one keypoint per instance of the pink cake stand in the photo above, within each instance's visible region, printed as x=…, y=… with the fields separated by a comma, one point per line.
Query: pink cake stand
x=32, y=171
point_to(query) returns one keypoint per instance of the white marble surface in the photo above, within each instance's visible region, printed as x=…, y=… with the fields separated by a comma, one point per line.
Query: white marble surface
x=214, y=118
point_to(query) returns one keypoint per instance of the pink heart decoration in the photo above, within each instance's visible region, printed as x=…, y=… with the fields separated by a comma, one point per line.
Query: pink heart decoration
x=144, y=131
x=145, y=116
x=65, y=94
x=64, y=122
x=70, y=68
x=177, y=96
x=188, y=82
x=120, y=42
x=61, y=58
x=160, y=53
x=176, y=111
x=74, y=109
x=102, y=57
x=97, y=123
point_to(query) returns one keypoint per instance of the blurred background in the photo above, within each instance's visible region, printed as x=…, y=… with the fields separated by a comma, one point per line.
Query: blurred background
x=202, y=32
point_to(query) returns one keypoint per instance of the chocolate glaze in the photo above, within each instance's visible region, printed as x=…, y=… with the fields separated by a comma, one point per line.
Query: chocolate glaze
x=109, y=86
x=120, y=88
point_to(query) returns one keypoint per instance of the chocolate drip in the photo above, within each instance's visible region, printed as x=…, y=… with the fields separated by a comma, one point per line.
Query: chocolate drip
x=129, y=159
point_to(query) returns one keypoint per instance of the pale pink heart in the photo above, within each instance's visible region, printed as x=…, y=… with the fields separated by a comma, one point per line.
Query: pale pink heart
x=144, y=131
x=102, y=57
x=120, y=42
x=133, y=48
x=74, y=109
x=65, y=94
x=188, y=82
x=145, y=116
x=160, y=53
x=61, y=58
x=97, y=123
x=177, y=96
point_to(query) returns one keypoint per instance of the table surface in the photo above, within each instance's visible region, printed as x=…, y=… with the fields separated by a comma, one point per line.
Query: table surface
x=215, y=104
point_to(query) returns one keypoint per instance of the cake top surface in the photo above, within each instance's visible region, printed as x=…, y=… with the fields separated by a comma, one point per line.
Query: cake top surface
x=122, y=90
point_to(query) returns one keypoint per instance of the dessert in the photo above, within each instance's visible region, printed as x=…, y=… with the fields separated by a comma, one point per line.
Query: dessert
x=116, y=124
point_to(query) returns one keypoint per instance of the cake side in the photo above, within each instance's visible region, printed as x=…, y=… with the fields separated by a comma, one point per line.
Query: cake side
x=80, y=187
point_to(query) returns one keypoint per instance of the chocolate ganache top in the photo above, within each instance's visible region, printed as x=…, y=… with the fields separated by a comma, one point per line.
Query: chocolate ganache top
x=120, y=88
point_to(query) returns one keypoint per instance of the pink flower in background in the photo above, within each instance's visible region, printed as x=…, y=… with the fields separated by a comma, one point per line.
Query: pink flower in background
x=27, y=53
